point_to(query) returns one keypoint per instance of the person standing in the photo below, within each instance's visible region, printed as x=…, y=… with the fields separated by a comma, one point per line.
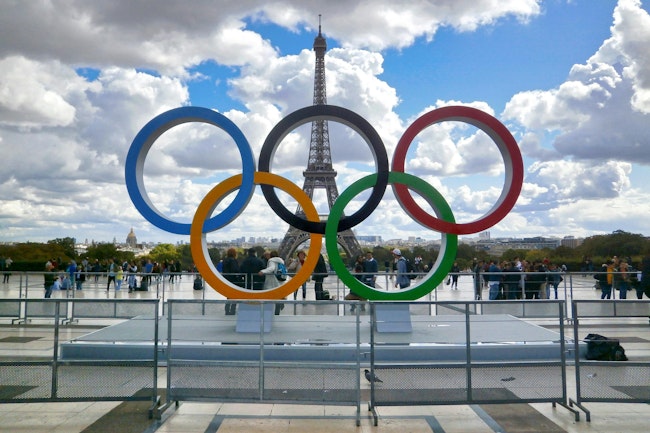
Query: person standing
x=72, y=273
x=494, y=280
x=80, y=277
x=148, y=269
x=48, y=279
x=401, y=280
x=370, y=270
x=6, y=264
x=605, y=279
x=554, y=280
x=511, y=281
x=270, y=280
x=644, y=278
x=295, y=266
x=96, y=269
x=624, y=279
x=119, y=278
x=320, y=273
x=112, y=269
x=231, y=273
x=477, y=268
x=250, y=267
x=359, y=275
x=455, y=269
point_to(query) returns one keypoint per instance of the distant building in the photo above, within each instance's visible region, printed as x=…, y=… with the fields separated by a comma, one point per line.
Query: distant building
x=499, y=246
x=131, y=240
x=571, y=242
x=373, y=239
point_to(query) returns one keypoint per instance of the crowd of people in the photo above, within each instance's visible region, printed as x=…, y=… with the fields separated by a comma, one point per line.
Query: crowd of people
x=516, y=279
x=618, y=274
x=519, y=279
x=74, y=275
x=261, y=273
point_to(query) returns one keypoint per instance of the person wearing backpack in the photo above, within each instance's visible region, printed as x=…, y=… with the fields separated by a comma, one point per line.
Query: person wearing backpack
x=402, y=279
x=320, y=273
x=270, y=280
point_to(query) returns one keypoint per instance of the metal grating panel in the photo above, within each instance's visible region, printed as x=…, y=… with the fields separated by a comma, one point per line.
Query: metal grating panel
x=106, y=381
x=614, y=382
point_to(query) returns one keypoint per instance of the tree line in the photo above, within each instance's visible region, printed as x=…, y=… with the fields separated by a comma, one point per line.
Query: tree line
x=32, y=256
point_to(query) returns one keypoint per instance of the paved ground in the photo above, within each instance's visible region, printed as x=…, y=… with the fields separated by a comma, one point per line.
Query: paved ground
x=35, y=339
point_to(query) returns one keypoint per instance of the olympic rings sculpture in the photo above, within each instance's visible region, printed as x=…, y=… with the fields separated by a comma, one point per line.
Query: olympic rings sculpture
x=401, y=182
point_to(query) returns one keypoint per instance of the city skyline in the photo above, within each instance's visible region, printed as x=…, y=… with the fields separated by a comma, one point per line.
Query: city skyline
x=570, y=79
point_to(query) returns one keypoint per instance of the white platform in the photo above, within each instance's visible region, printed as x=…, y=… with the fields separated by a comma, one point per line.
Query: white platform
x=322, y=338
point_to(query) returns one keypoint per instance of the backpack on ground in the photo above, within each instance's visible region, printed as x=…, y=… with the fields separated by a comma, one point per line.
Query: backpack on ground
x=281, y=272
x=601, y=348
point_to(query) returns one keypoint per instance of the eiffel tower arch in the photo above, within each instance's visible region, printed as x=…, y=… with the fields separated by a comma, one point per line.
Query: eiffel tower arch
x=319, y=173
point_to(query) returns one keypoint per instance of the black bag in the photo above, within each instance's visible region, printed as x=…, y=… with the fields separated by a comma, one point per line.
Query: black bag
x=601, y=348
x=198, y=283
x=410, y=269
x=144, y=286
x=323, y=295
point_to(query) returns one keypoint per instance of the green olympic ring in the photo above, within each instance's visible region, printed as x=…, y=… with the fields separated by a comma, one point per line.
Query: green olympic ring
x=448, y=247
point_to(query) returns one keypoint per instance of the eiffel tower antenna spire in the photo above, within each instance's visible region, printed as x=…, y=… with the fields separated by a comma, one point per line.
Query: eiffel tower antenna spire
x=319, y=173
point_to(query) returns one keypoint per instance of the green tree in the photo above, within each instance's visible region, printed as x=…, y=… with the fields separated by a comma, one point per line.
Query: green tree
x=185, y=256
x=164, y=253
x=619, y=243
x=536, y=255
x=512, y=254
x=67, y=245
x=102, y=251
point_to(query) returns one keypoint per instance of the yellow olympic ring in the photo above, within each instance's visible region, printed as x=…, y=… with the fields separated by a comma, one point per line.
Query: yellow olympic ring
x=199, y=248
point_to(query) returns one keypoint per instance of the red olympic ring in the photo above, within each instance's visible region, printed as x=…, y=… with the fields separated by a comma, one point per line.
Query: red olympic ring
x=514, y=168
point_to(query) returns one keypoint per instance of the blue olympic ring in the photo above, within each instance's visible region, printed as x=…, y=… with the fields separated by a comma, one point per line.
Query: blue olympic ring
x=134, y=167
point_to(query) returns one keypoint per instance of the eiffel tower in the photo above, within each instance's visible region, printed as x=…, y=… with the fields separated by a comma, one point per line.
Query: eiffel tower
x=319, y=173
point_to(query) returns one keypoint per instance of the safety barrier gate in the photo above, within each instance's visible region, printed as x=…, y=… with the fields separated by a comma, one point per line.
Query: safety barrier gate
x=50, y=379
x=302, y=361
x=609, y=381
x=461, y=369
x=315, y=354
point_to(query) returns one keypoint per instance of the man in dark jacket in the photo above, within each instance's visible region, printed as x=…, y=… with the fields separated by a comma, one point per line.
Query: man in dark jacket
x=251, y=267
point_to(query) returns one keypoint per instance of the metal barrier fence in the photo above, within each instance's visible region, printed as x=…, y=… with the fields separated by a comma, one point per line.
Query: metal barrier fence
x=469, y=379
x=609, y=381
x=49, y=379
x=288, y=366
x=316, y=353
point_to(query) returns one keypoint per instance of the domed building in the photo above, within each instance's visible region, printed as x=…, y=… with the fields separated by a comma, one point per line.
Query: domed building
x=131, y=240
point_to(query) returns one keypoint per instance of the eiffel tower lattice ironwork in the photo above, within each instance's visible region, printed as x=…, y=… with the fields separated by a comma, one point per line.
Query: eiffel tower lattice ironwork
x=319, y=173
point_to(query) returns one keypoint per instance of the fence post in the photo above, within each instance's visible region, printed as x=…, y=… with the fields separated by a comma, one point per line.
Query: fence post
x=261, y=368
x=576, y=342
x=468, y=353
x=55, y=350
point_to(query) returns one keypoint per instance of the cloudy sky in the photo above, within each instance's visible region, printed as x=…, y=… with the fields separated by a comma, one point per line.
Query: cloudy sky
x=79, y=79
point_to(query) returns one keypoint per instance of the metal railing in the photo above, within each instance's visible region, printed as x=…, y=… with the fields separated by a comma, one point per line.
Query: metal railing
x=465, y=378
x=281, y=367
x=48, y=378
x=609, y=381
x=310, y=375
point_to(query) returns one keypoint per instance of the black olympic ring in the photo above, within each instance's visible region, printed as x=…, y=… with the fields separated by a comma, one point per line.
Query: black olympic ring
x=348, y=118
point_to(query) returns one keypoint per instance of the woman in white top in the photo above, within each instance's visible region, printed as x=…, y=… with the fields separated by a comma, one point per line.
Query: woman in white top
x=270, y=281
